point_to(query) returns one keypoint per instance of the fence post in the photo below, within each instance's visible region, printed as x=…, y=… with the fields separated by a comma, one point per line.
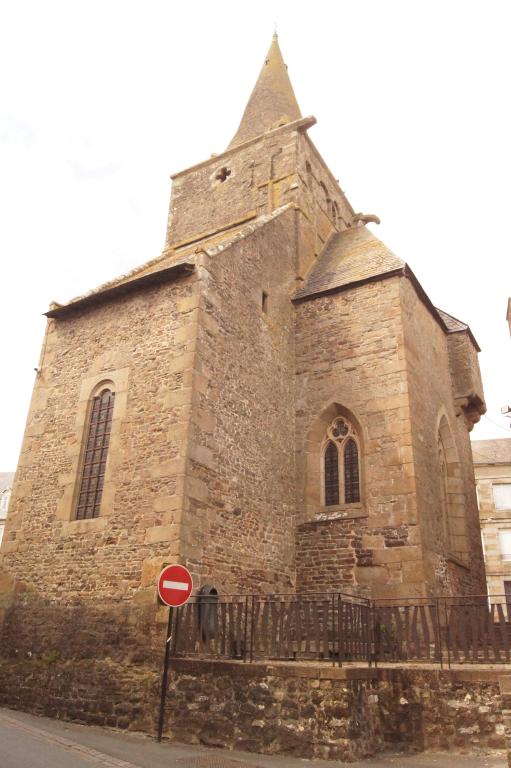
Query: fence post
x=375, y=633
x=368, y=632
x=245, y=630
x=333, y=630
x=439, y=630
x=252, y=630
x=447, y=634
x=340, y=628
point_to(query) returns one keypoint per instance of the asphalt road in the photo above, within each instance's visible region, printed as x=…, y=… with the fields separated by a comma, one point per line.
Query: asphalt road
x=27, y=741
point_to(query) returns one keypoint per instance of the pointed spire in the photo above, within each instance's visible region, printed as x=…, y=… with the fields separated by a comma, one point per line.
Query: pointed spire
x=272, y=102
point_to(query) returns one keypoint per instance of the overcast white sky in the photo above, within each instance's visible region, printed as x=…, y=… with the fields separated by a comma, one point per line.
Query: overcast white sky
x=101, y=101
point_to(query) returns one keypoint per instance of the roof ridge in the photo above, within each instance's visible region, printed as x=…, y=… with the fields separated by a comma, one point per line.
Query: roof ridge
x=246, y=230
x=124, y=277
x=185, y=256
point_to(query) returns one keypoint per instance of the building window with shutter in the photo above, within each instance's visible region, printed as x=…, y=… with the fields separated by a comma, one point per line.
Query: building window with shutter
x=341, y=465
x=95, y=455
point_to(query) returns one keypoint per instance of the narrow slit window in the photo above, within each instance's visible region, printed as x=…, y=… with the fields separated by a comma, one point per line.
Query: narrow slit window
x=331, y=475
x=96, y=450
x=351, y=473
x=264, y=302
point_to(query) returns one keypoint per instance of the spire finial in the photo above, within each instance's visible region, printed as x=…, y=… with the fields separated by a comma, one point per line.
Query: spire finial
x=272, y=102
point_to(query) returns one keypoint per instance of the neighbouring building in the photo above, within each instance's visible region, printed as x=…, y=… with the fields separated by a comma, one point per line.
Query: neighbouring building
x=6, y=479
x=492, y=463
x=274, y=401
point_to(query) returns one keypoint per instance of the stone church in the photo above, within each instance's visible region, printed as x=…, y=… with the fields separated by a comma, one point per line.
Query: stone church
x=274, y=402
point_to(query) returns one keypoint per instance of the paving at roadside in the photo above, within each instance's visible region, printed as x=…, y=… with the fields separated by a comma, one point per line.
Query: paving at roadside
x=28, y=741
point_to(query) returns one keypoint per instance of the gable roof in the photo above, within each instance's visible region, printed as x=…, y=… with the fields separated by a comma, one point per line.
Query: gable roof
x=351, y=256
x=169, y=266
x=121, y=288
x=492, y=451
x=272, y=102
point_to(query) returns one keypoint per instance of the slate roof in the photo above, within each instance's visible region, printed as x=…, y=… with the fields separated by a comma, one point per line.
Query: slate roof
x=272, y=102
x=492, y=451
x=452, y=323
x=350, y=256
x=164, y=267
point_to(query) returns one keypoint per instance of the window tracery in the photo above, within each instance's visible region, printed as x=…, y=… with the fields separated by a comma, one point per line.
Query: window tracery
x=341, y=464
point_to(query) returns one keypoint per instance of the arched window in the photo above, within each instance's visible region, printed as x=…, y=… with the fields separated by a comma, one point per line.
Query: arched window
x=351, y=473
x=444, y=492
x=331, y=475
x=94, y=460
x=452, y=533
x=341, y=450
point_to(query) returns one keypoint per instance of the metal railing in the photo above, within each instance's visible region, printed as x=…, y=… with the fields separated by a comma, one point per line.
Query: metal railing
x=472, y=629
x=337, y=628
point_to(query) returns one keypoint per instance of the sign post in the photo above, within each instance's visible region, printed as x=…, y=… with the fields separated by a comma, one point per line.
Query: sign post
x=174, y=589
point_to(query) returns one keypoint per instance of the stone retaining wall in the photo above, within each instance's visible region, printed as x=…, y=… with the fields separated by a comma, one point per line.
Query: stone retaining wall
x=335, y=713
x=307, y=710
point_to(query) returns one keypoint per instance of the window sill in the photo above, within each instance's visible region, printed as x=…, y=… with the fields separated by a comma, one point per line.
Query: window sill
x=72, y=527
x=351, y=512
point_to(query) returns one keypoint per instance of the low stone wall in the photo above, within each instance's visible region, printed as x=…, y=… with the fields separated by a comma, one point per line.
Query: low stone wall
x=336, y=713
x=299, y=710
x=97, y=693
x=308, y=710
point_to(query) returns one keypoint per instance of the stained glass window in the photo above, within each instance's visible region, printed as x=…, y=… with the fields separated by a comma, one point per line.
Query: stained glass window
x=351, y=473
x=331, y=475
x=96, y=449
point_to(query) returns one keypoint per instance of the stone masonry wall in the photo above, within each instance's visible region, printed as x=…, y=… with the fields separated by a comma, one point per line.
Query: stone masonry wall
x=143, y=343
x=260, y=178
x=304, y=710
x=431, y=398
x=279, y=168
x=327, y=552
x=350, y=359
x=464, y=365
x=238, y=525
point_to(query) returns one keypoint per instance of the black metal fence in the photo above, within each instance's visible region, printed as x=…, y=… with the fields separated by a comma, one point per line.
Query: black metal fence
x=340, y=628
x=474, y=629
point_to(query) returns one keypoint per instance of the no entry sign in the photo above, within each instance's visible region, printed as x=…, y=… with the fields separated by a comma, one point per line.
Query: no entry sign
x=175, y=585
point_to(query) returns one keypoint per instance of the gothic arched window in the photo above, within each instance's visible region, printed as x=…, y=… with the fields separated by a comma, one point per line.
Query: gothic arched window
x=331, y=475
x=351, y=472
x=95, y=454
x=341, y=464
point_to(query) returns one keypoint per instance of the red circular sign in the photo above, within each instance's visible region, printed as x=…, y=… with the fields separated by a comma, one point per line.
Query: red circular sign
x=175, y=585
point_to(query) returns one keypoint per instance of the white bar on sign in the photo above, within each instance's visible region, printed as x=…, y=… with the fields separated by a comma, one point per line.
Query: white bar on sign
x=176, y=585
